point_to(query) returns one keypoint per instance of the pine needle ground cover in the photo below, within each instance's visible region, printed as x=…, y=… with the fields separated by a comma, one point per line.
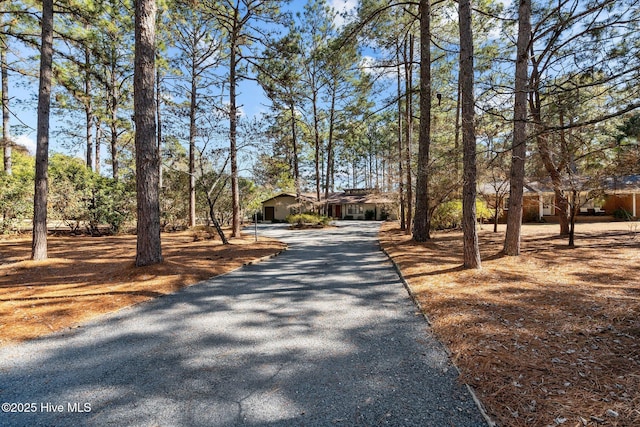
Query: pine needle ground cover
x=549, y=338
x=88, y=276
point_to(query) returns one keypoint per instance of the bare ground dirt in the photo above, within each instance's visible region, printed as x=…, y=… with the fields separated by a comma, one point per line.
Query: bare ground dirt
x=88, y=276
x=549, y=338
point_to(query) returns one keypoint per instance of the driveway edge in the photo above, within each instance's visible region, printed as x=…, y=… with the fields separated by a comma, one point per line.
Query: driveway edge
x=100, y=317
x=264, y=258
x=413, y=297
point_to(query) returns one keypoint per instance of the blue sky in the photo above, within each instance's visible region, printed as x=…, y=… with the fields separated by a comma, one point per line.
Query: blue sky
x=23, y=91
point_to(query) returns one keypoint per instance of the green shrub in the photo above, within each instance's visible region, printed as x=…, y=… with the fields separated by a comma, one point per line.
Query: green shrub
x=370, y=215
x=530, y=216
x=70, y=184
x=80, y=196
x=16, y=192
x=307, y=218
x=110, y=203
x=16, y=201
x=623, y=214
x=483, y=212
x=448, y=215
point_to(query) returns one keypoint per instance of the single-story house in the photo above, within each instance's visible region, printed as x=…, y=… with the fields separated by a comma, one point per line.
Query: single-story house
x=358, y=203
x=348, y=204
x=622, y=193
x=539, y=198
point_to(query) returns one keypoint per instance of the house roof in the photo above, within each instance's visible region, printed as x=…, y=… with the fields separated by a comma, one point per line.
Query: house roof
x=502, y=187
x=345, y=197
x=616, y=184
x=303, y=197
x=626, y=183
x=620, y=184
x=373, y=198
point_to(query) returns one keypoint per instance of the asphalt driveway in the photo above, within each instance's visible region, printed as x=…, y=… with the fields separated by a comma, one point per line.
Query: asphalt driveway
x=324, y=334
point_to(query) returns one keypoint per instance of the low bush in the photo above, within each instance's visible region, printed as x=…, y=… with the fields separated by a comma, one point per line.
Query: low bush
x=307, y=219
x=448, y=215
x=623, y=214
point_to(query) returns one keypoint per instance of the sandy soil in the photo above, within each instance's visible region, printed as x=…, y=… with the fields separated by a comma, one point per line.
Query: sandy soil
x=547, y=338
x=88, y=276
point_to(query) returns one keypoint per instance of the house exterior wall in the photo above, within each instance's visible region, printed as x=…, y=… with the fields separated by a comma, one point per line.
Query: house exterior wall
x=359, y=211
x=614, y=202
x=281, y=207
x=530, y=208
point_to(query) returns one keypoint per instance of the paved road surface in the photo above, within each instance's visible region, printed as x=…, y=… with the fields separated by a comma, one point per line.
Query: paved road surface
x=321, y=335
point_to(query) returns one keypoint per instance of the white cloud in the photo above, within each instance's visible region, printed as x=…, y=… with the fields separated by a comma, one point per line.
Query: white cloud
x=368, y=64
x=26, y=141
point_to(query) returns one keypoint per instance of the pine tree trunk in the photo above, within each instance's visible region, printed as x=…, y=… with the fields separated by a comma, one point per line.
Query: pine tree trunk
x=422, y=221
x=328, y=178
x=6, y=137
x=39, y=242
x=98, y=144
x=316, y=132
x=88, y=107
x=192, y=151
x=233, y=122
x=159, y=121
x=114, y=124
x=471, y=247
x=149, y=249
x=519, y=148
x=409, y=131
x=294, y=142
x=403, y=223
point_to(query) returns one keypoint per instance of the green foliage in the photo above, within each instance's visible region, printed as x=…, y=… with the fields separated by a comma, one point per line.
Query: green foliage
x=623, y=214
x=531, y=216
x=448, y=215
x=307, y=218
x=274, y=171
x=483, y=212
x=79, y=197
x=369, y=215
x=70, y=183
x=110, y=203
x=16, y=198
x=174, y=204
x=16, y=192
x=250, y=195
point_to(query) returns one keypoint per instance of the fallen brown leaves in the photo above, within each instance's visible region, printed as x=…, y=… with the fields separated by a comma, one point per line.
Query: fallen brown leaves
x=551, y=337
x=88, y=276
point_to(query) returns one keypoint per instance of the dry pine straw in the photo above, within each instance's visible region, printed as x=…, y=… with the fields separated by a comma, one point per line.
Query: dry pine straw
x=547, y=338
x=88, y=276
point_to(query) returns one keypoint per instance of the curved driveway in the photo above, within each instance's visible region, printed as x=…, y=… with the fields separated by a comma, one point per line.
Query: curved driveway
x=322, y=335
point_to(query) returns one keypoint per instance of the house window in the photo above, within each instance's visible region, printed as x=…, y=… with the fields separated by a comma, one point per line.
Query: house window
x=355, y=209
